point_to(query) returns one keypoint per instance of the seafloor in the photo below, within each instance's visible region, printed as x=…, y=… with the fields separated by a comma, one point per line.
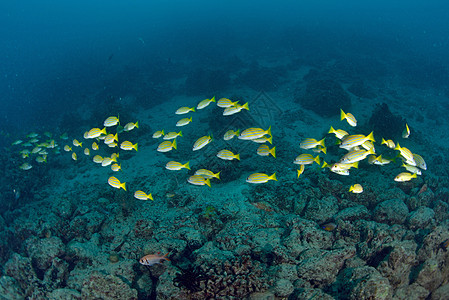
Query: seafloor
x=67, y=234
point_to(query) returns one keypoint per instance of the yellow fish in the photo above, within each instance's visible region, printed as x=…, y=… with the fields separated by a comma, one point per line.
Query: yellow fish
x=183, y=122
x=254, y=133
x=184, y=110
x=355, y=156
x=116, y=167
x=130, y=126
x=311, y=143
x=306, y=159
x=235, y=109
x=176, y=166
x=412, y=169
x=107, y=161
x=111, y=121
x=158, y=134
x=97, y=159
x=86, y=151
x=127, y=145
x=389, y=143
x=356, y=188
x=142, y=195
x=349, y=118
x=406, y=154
x=95, y=132
x=74, y=156
x=94, y=146
x=110, y=138
x=41, y=159
x=263, y=139
x=166, y=146
x=260, y=178
x=225, y=102
x=67, y=148
x=227, y=155
x=198, y=180
x=115, y=183
x=230, y=134
x=264, y=150
x=202, y=142
x=205, y=103
x=406, y=132
x=405, y=176
x=207, y=174
x=172, y=135
x=420, y=162
x=339, y=133
x=25, y=166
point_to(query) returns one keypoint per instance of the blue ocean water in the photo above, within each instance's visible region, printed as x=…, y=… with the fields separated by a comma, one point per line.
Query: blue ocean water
x=68, y=66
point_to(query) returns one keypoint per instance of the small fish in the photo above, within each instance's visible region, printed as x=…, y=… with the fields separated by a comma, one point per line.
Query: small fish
x=36, y=150
x=32, y=135
x=95, y=132
x=202, y=142
x=264, y=150
x=141, y=195
x=406, y=154
x=64, y=136
x=184, y=110
x=336, y=167
x=158, y=134
x=301, y=170
x=260, y=178
x=329, y=226
x=230, y=134
x=176, y=166
x=254, y=133
x=389, y=143
x=86, y=151
x=166, y=146
x=152, y=259
x=107, y=161
x=207, y=174
x=74, y=157
x=94, y=146
x=406, y=132
x=235, y=109
x=115, y=156
x=356, y=188
x=130, y=126
x=111, y=121
x=25, y=166
x=351, y=141
x=310, y=143
x=225, y=102
x=205, y=103
x=113, y=145
x=405, y=176
x=355, y=156
x=339, y=133
x=41, y=159
x=97, y=159
x=33, y=141
x=227, y=155
x=183, y=122
x=420, y=162
x=319, y=149
x=115, y=183
x=17, y=142
x=306, y=159
x=349, y=118
x=198, y=180
x=67, y=148
x=172, y=135
x=373, y=160
x=116, y=167
x=127, y=145
x=412, y=169
x=110, y=138
x=367, y=145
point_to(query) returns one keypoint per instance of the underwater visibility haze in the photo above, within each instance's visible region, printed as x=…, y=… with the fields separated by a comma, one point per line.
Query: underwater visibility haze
x=224, y=150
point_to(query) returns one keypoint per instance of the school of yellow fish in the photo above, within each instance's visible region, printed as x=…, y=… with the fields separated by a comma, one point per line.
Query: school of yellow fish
x=358, y=147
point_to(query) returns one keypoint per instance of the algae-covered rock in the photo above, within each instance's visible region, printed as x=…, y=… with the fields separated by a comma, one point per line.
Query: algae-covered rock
x=103, y=286
x=411, y=292
x=283, y=288
x=364, y=283
x=43, y=251
x=420, y=218
x=353, y=213
x=10, y=289
x=392, y=211
x=441, y=293
x=321, y=210
x=64, y=294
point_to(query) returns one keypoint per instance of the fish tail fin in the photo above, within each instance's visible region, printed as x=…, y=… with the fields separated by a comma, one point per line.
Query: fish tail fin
x=245, y=106
x=137, y=126
x=217, y=175
x=269, y=131
x=237, y=156
x=162, y=131
x=371, y=137
x=356, y=165
x=342, y=115
x=237, y=132
x=273, y=151
x=324, y=149
x=123, y=185
x=150, y=196
x=135, y=146
x=207, y=181
x=212, y=99
x=273, y=177
x=270, y=140
x=180, y=133
x=321, y=142
x=325, y=164
x=331, y=130
x=383, y=141
x=351, y=188
x=187, y=165
x=317, y=160
x=174, y=143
